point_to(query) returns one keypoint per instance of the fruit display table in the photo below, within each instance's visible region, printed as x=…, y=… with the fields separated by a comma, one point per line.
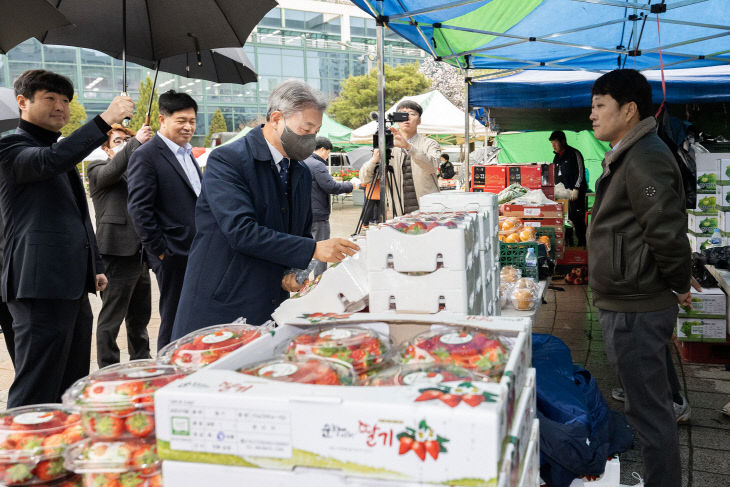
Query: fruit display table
x=722, y=276
x=509, y=311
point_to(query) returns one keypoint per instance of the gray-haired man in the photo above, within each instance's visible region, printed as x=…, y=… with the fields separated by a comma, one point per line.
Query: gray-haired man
x=254, y=218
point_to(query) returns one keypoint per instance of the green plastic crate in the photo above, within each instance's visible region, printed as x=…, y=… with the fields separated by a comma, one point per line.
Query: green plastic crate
x=514, y=254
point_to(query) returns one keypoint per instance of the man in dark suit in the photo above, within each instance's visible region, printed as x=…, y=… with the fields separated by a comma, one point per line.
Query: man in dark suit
x=164, y=184
x=51, y=260
x=128, y=295
x=254, y=217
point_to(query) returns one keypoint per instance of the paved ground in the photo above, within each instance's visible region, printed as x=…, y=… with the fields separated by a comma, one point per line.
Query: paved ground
x=705, y=440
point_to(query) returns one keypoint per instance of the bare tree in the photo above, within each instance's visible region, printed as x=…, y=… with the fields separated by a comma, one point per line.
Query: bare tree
x=445, y=78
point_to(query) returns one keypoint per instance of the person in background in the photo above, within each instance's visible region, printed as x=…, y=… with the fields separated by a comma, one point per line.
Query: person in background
x=323, y=185
x=415, y=162
x=51, y=261
x=254, y=218
x=639, y=262
x=128, y=296
x=570, y=170
x=164, y=183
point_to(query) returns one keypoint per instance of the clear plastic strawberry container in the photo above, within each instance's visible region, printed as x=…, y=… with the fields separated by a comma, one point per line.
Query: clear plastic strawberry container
x=117, y=401
x=362, y=348
x=33, y=440
x=310, y=370
x=116, y=463
x=205, y=346
x=419, y=375
x=471, y=349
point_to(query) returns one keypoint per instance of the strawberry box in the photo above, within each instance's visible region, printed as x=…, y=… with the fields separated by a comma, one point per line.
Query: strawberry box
x=703, y=224
x=525, y=415
x=708, y=169
x=342, y=288
x=221, y=416
x=722, y=197
x=708, y=303
x=531, y=463
x=552, y=210
x=724, y=168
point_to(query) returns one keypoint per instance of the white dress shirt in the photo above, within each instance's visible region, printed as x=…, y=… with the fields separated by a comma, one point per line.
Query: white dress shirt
x=184, y=156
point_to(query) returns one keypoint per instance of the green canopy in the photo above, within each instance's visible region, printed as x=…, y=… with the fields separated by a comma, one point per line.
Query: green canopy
x=336, y=132
x=527, y=147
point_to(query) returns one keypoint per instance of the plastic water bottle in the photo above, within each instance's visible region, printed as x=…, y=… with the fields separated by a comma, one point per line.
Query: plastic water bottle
x=716, y=239
x=531, y=264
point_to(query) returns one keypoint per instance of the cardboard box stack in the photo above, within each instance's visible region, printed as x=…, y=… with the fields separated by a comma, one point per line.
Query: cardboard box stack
x=262, y=425
x=494, y=178
x=704, y=217
x=540, y=216
x=706, y=321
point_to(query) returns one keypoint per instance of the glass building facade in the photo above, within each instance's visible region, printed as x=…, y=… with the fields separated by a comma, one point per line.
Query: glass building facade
x=322, y=45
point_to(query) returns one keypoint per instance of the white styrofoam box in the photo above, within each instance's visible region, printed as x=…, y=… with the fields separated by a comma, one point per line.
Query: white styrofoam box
x=703, y=224
x=342, y=288
x=698, y=243
x=709, y=303
x=222, y=416
x=483, y=203
x=708, y=173
x=696, y=329
x=611, y=476
x=453, y=289
x=723, y=196
x=724, y=176
x=531, y=463
x=525, y=415
x=509, y=469
x=452, y=248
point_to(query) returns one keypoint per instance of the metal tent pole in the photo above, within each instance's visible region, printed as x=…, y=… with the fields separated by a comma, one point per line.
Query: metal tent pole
x=467, y=169
x=380, y=48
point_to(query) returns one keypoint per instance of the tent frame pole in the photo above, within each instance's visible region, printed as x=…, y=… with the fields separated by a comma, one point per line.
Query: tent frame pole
x=380, y=48
x=467, y=169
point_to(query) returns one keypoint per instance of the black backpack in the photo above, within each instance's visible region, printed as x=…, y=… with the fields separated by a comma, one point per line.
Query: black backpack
x=446, y=170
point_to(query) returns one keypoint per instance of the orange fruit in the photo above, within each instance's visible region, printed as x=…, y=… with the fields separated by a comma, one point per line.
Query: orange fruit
x=527, y=234
x=545, y=240
x=509, y=224
x=512, y=238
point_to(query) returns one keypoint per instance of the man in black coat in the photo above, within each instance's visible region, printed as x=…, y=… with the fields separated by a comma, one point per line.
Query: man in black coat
x=164, y=183
x=51, y=260
x=570, y=170
x=128, y=295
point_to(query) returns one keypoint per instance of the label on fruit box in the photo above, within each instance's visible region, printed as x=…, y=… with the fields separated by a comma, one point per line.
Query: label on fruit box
x=33, y=418
x=336, y=334
x=533, y=224
x=531, y=211
x=456, y=338
x=422, y=377
x=277, y=370
x=218, y=337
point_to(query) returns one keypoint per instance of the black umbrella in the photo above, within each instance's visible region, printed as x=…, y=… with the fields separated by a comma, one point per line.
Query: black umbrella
x=9, y=113
x=156, y=29
x=23, y=19
x=226, y=65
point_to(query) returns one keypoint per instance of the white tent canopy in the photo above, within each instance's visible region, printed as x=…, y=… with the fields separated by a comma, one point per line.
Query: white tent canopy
x=440, y=118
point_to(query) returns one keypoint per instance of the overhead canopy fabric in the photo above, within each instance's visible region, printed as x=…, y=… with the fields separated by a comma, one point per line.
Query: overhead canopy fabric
x=441, y=120
x=563, y=34
x=571, y=89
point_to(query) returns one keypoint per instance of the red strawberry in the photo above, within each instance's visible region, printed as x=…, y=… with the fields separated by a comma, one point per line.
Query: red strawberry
x=74, y=433
x=54, y=443
x=140, y=424
x=154, y=481
x=433, y=448
x=451, y=400
x=108, y=426
x=429, y=394
x=473, y=400
x=420, y=449
x=406, y=443
x=50, y=469
x=103, y=480
x=18, y=474
x=131, y=479
x=146, y=458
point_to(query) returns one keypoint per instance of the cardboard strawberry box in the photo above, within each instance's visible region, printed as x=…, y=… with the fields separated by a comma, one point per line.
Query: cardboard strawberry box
x=527, y=175
x=530, y=475
x=553, y=210
x=342, y=288
x=525, y=415
x=724, y=170
x=218, y=415
x=708, y=173
x=484, y=204
x=421, y=250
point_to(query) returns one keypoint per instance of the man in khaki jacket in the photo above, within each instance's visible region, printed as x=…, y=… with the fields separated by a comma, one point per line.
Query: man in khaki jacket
x=415, y=162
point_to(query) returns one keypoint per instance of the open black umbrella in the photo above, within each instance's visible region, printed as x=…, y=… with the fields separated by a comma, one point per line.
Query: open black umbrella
x=9, y=114
x=23, y=19
x=154, y=30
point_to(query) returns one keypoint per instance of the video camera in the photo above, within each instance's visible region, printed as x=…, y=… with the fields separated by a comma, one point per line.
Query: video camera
x=390, y=118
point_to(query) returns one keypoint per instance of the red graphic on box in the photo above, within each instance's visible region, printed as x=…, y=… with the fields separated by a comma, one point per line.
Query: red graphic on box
x=376, y=434
x=465, y=392
x=319, y=317
x=421, y=440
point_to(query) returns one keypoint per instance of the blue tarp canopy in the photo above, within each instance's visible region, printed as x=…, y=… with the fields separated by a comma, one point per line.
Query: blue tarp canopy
x=572, y=89
x=563, y=34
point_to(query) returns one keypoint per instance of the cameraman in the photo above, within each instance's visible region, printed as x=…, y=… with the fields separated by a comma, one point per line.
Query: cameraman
x=414, y=162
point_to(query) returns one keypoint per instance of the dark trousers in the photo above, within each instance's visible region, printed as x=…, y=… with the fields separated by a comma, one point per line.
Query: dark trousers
x=636, y=345
x=320, y=231
x=127, y=297
x=170, y=273
x=6, y=324
x=577, y=215
x=52, y=347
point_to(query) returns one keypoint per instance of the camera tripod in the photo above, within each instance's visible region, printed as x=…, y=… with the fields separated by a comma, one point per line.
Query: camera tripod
x=390, y=184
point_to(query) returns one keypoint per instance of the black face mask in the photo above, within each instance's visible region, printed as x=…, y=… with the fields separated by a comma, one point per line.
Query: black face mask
x=296, y=146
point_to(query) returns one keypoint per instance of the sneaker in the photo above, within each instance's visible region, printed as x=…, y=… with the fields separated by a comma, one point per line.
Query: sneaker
x=682, y=411
x=618, y=394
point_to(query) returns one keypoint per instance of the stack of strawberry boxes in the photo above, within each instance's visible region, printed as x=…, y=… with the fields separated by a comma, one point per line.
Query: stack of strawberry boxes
x=370, y=399
x=707, y=215
x=495, y=178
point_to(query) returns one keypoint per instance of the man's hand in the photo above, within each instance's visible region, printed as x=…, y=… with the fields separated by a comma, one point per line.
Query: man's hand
x=289, y=283
x=144, y=134
x=161, y=256
x=101, y=282
x=334, y=250
x=400, y=140
x=685, y=299
x=120, y=108
x=376, y=156
x=573, y=195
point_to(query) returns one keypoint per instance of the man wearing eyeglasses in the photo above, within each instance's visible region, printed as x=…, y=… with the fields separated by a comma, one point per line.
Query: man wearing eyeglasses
x=128, y=295
x=415, y=161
